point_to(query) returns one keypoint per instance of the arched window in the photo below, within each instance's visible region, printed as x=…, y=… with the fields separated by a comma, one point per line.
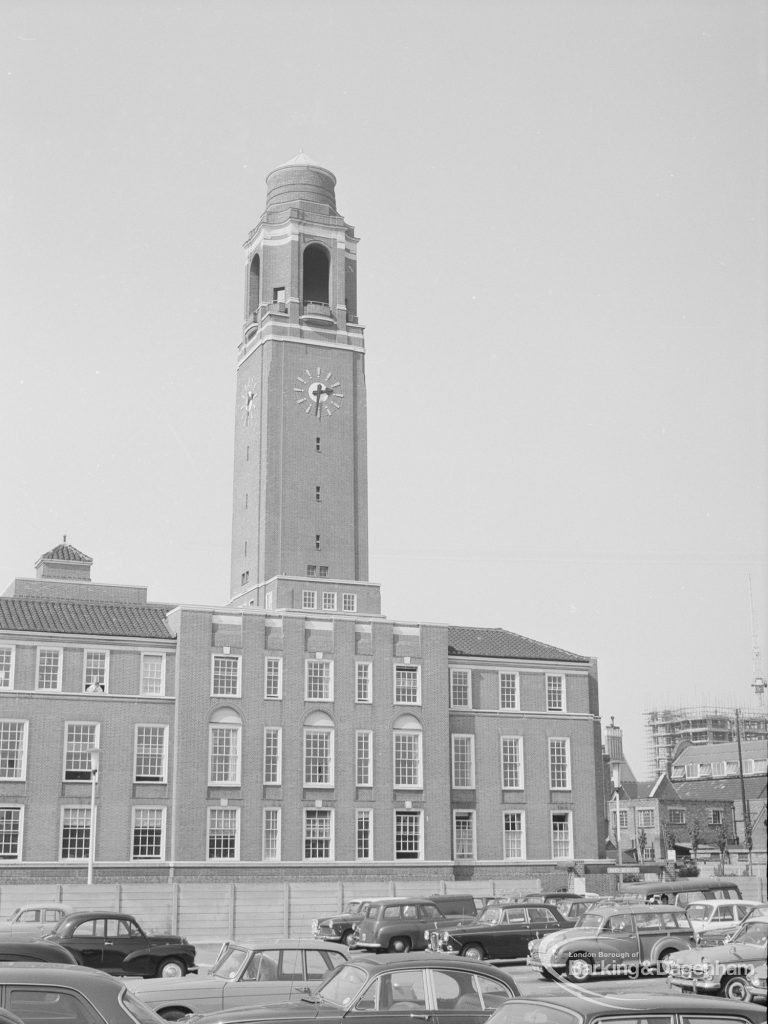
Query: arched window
x=224, y=748
x=318, y=749
x=407, y=753
x=254, y=285
x=317, y=266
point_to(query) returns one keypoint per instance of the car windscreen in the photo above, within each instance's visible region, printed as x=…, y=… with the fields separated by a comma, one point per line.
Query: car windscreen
x=229, y=963
x=342, y=986
x=753, y=931
x=591, y=920
x=698, y=912
x=521, y=1011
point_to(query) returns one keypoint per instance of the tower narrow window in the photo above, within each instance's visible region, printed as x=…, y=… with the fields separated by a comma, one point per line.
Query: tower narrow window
x=317, y=444
x=317, y=542
x=317, y=492
x=316, y=274
x=254, y=285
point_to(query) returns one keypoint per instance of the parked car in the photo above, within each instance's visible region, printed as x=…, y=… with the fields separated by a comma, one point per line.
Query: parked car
x=402, y=925
x=683, y=891
x=502, y=932
x=244, y=975
x=572, y=1008
x=757, y=985
x=341, y=927
x=36, y=952
x=712, y=920
x=32, y=920
x=116, y=943
x=628, y=940
x=390, y=990
x=573, y=907
x=57, y=994
x=725, y=969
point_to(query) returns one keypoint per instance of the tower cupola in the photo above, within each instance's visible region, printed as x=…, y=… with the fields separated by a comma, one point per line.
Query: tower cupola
x=301, y=184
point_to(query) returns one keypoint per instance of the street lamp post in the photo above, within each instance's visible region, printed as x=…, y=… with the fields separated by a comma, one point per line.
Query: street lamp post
x=94, y=752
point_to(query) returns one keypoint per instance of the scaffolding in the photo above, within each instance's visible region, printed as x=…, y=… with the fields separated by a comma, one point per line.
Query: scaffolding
x=667, y=728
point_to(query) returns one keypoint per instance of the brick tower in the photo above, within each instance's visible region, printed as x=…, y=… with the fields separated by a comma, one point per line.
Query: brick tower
x=300, y=503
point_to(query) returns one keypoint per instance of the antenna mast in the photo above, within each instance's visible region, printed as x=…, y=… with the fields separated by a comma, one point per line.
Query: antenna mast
x=758, y=679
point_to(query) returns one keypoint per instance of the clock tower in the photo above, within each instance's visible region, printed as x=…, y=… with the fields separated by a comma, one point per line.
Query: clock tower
x=300, y=503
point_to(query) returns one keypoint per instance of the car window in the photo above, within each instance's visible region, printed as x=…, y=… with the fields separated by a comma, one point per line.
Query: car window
x=698, y=912
x=341, y=988
x=261, y=967
x=230, y=962
x=114, y=927
x=402, y=990
x=391, y=912
x=317, y=963
x=753, y=931
x=93, y=926
x=51, y=1005
x=633, y=1018
x=709, y=1018
x=741, y=912
x=51, y=914
x=620, y=923
x=514, y=915
x=647, y=922
x=288, y=964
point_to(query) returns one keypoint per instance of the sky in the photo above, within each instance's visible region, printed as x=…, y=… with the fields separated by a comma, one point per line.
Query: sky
x=562, y=275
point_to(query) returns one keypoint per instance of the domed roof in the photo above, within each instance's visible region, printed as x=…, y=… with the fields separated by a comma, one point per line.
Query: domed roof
x=302, y=182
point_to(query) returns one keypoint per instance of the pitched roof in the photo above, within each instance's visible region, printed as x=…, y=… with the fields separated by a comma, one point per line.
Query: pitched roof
x=705, y=753
x=722, y=789
x=480, y=642
x=38, y=615
x=66, y=553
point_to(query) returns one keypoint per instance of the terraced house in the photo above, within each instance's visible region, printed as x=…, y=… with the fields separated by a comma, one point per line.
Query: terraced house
x=297, y=730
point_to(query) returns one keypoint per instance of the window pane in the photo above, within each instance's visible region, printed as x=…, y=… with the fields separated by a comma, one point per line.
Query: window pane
x=407, y=684
x=12, y=749
x=147, y=833
x=225, y=676
x=150, y=753
x=81, y=739
x=222, y=833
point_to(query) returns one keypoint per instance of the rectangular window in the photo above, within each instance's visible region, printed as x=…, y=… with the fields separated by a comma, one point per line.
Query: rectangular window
x=273, y=759
x=509, y=697
x=81, y=739
x=463, y=761
x=273, y=679
x=223, y=833
x=559, y=764
x=364, y=835
x=715, y=816
x=13, y=750
x=676, y=816
x=319, y=681
x=308, y=599
x=96, y=671
x=691, y=771
x=270, y=842
x=562, y=845
x=408, y=835
x=555, y=693
x=6, y=668
x=646, y=817
x=318, y=834
x=363, y=689
x=151, y=753
x=75, y=833
x=49, y=668
x=329, y=601
x=322, y=570
x=148, y=833
x=407, y=759
x=225, y=675
x=152, y=675
x=407, y=684
x=623, y=820
x=224, y=756
x=464, y=835
x=460, y=688
x=512, y=762
x=10, y=833
x=349, y=602
x=514, y=835
x=318, y=757
x=363, y=760
x=311, y=570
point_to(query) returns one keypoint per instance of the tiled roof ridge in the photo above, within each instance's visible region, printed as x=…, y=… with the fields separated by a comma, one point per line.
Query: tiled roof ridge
x=164, y=606
x=65, y=552
x=500, y=631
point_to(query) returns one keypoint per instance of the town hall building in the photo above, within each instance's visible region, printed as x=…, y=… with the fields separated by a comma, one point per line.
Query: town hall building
x=296, y=731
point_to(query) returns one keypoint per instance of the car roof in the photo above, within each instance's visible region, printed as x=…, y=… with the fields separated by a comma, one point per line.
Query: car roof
x=43, y=905
x=418, y=961
x=55, y=974
x=662, y=1003
x=31, y=947
x=83, y=915
x=720, y=903
x=285, y=943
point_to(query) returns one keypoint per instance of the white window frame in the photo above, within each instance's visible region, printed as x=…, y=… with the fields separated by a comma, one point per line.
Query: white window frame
x=18, y=809
x=326, y=814
x=715, y=816
x=275, y=814
x=568, y=855
x=363, y=682
x=89, y=652
x=237, y=731
x=407, y=669
x=9, y=672
x=277, y=692
x=505, y=832
x=401, y=735
x=413, y=815
x=277, y=732
x=454, y=682
x=154, y=808
x=144, y=678
x=691, y=771
x=219, y=656
x=328, y=698
x=69, y=747
x=623, y=819
x=517, y=741
x=467, y=815
x=364, y=768
x=349, y=602
x=211, y=813
x=568, y=782
x=466, y=740
x=515, y=678
x=364, y=814
x=59, y=652
x=84, y=811
x=309, y=600
x=556, y=677
x=328, y=732
x=21, y=753
x=161, y=730
x=646, y=817
x=329, y=600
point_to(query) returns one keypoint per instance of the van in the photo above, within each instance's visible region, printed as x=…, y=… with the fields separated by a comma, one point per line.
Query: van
x=461, y=904
x=683, y=891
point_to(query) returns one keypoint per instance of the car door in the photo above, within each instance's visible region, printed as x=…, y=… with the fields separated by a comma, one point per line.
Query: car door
x=463, y=997
x=87, y=941
x=542, y=922
x=618, y=945
x=509, y=938
x=122, y=938
x=269, y=976
x=397, y=996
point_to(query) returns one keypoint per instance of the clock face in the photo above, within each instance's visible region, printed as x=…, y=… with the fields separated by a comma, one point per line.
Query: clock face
x=318, y=392
x=248, y=400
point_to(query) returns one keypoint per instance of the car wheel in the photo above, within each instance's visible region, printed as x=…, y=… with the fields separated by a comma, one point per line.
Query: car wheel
x=348, y=938
x=174, y=1013
x=400, y=945
x=171, y=968
x=579, y=968
x=473, y=952
x=662, y=964
x=736, y=988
